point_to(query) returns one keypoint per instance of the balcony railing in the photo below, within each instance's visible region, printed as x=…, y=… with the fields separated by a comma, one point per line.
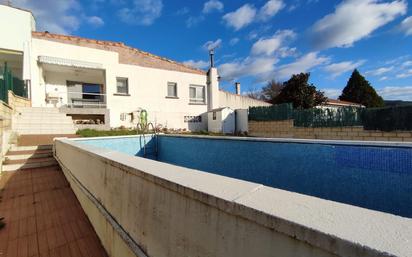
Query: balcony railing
x=77, y=99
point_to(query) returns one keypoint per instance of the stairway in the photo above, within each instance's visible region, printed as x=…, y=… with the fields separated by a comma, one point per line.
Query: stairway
x=41, y=120
x=28, y=157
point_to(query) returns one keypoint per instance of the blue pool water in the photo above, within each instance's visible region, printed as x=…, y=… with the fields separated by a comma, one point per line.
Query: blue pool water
x=378, y=178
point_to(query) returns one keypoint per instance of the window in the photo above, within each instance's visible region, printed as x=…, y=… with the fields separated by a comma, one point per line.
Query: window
x=214, y=115
x=122, y=86
x=197, y=94
x=91, y=91
x=171, y=89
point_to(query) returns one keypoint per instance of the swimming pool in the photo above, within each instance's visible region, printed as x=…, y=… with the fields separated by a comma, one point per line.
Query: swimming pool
x=374, y=176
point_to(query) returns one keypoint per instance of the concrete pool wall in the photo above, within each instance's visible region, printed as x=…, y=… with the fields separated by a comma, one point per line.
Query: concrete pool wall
x=141, y=207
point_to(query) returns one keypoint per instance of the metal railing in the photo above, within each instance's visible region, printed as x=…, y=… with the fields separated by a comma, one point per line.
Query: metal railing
x=9, y=82
x=77, y=99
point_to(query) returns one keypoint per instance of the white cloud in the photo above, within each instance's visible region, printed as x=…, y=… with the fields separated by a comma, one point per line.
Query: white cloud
x=406, y=26
x=267, y=46
x=197, y=64
x=396, y=93
x=209, y=45
x=303, y=64
x=354, y=20
x=250, y=66
x=182, y=11
x=404, y=74
x=234, y=41
x=336, y=69
x=241, y=17
x=270, y=9
x=95, y=21
x=383, y=78
x=54, y=16
x=380, y=71
x=212, y=5
x=142, y=12
x=407, y=64
x=192, y=21
x=332, y=92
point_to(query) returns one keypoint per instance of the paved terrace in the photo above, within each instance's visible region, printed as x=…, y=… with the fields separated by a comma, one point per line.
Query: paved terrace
x=42, y=215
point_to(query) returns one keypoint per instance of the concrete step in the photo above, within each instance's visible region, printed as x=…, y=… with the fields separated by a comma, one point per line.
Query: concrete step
x=28, y=152
x=28, y=156
x=37, y=110
x=15, y=148
x=41, y=118
x=34, y=160
x=40, y=131
x=42, y=122
x=28, y=164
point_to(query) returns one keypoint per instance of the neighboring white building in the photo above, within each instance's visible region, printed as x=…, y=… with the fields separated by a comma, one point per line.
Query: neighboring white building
x=336, y=104
x=109, y=81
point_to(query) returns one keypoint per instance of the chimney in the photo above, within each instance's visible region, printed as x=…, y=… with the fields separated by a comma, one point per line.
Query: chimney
x=212, y=60
x=237, y=84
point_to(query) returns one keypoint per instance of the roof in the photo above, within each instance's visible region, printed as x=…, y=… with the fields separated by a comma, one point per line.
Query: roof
x=18, y=8
x=127, y=54
x=341, y=103
x=219, y=109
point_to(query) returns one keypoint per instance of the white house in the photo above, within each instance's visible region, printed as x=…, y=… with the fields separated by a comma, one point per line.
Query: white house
x=108, y=82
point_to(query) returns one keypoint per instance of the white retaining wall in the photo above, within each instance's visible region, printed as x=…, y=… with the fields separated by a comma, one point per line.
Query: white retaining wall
x=156, y=209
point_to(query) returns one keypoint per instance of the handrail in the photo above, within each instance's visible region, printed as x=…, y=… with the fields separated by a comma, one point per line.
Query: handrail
x=141, y=131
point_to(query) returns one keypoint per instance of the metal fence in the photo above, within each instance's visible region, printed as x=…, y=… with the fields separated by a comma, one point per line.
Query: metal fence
x=388, y=118
x=10, y=82
x=383, y=119
x=315, y=117
x=328, y=117
x=274, y=112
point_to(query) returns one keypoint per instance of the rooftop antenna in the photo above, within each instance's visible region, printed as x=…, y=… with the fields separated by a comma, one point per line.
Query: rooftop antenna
x=212, y=59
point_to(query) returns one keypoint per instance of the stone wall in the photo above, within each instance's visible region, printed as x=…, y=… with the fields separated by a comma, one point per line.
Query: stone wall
x=6, y=113
x=285, y=129
x=16, y=101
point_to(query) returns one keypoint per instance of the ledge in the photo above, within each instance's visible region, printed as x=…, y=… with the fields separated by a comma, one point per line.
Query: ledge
x=172, y=97
x=197, y=103
x=337, y=228
x=117, y=94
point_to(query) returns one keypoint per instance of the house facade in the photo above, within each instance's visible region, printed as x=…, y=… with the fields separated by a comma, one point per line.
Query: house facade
x=109, y=83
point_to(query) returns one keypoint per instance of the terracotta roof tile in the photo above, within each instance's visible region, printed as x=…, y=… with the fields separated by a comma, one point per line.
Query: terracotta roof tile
x=127, y=54
x=340, y=102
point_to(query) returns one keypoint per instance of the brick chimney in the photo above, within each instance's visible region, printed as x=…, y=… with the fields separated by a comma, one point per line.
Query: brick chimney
x=237, y=84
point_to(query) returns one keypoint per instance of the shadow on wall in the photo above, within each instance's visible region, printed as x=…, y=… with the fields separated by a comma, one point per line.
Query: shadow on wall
x=196, y=125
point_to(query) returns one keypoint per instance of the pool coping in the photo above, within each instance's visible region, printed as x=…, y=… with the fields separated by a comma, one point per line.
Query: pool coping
x=273, y=140
x=293, y=214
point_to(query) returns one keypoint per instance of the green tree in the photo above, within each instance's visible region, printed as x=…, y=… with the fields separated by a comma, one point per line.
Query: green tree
x=300, y=93
x=359, y=90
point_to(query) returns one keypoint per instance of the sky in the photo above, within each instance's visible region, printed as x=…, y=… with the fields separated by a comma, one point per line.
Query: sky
x=255, y=41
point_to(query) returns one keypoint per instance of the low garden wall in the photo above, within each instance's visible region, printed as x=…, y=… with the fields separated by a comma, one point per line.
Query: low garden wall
x=140, y=207
x=16, y=101
x=6, y=113
x=286, y=129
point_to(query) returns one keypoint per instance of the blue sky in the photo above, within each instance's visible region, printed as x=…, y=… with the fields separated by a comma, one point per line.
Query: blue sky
x=255, y=40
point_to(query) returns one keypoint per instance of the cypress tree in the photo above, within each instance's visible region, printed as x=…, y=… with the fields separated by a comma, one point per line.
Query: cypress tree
x=359, y=90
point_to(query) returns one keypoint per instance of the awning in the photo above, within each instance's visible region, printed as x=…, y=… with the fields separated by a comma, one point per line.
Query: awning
x=69, y=62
